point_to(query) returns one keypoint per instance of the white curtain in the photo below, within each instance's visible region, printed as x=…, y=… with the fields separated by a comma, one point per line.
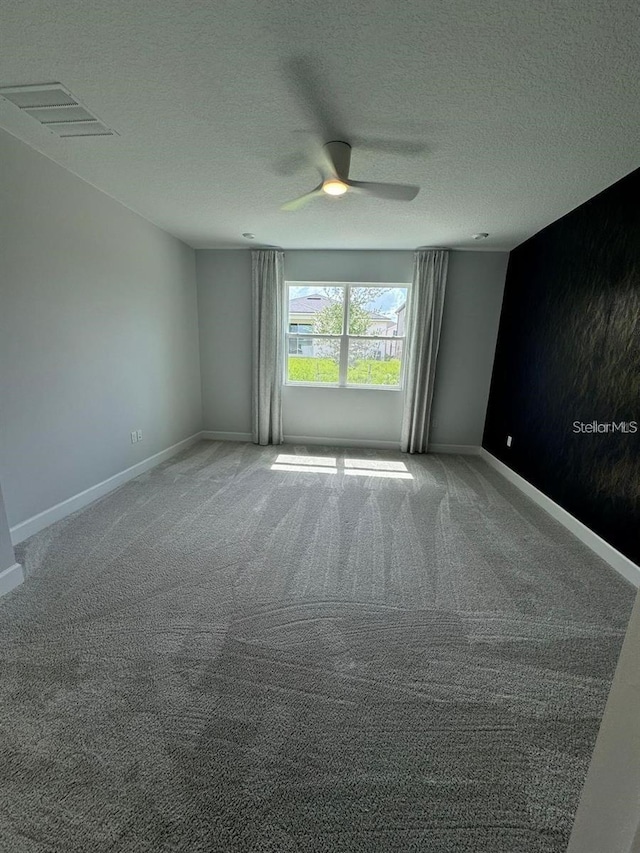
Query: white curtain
x=424, y=320
x=268, y=295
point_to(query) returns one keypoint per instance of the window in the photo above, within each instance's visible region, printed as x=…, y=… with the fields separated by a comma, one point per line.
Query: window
x=345, y=335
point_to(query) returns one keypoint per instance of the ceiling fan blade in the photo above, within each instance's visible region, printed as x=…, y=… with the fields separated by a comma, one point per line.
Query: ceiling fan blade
x=297, y=203
x=311, y=152
x=396, y=192
x=313, y=98
x=317, y=103
x=322, y=160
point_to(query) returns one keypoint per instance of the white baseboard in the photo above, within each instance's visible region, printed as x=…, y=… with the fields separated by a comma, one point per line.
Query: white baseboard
x=215, y=435
x=623, y=565
x=11, y=578
x=36, y=523
x=464, y=449
x=326, y=441
x=341, y=442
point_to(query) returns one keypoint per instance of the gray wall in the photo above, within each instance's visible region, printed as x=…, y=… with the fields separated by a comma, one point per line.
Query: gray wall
x=7, y=558
x=98, y=334
x=608, y=816
x=472, y=311
x=224, y=309
x=467, y=346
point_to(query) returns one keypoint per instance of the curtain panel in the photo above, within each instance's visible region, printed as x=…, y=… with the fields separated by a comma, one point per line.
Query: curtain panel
x=268, y=294
x=426, y=304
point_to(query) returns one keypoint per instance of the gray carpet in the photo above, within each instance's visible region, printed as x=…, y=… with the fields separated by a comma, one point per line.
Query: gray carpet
x=226, y=656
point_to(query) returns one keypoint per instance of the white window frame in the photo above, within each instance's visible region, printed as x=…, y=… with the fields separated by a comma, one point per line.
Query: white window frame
x=345, y=337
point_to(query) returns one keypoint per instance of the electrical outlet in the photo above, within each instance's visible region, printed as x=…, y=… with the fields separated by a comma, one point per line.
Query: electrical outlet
x=134, y=436
x=139, y=435
x=509, y=440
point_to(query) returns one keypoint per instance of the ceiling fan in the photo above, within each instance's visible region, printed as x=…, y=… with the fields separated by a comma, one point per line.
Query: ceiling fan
x=333, y=161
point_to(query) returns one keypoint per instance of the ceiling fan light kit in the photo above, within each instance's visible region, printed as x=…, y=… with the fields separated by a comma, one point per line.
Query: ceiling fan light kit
x=333, y=162
x=334, y=187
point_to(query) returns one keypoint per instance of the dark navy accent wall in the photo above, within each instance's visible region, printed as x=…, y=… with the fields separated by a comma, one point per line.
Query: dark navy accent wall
x=569, y=351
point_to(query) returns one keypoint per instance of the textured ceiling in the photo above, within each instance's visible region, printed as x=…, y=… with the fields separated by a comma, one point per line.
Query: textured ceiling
x=507, y=114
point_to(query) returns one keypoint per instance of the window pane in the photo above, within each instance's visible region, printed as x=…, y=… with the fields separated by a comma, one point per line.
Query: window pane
x=316, y=308
x=300, y=346
x=376, y=310
x=313, y=360
x=375, y=362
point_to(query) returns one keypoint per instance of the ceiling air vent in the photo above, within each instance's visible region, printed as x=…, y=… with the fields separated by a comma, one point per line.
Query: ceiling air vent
x=57, y=109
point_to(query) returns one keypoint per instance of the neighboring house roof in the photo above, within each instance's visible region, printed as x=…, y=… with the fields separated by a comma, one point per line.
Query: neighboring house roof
x=381, y=317
x=315, y=302
x=310, y=304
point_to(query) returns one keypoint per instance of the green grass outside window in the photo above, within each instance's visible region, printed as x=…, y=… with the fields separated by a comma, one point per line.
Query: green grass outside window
x=362, y=372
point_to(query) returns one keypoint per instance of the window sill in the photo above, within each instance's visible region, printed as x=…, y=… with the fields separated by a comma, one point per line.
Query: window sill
x=342, y=387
